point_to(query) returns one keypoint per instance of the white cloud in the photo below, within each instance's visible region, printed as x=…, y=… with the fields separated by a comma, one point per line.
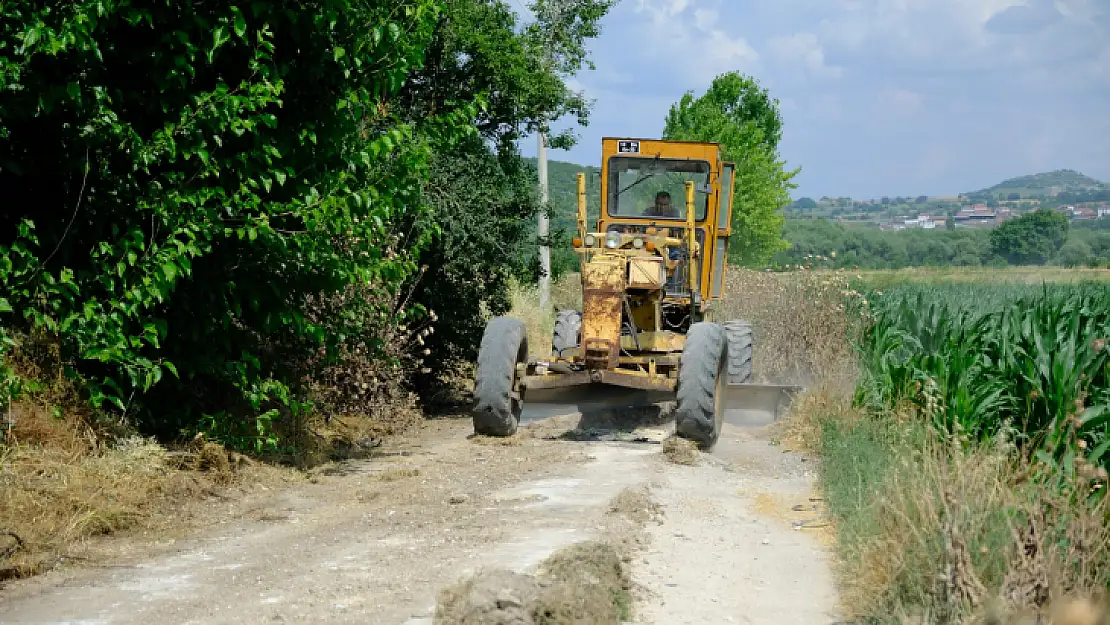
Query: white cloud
x=662, y=10
x=880, y=96
x=692, y=40
x=950, y=31
x=804, y=51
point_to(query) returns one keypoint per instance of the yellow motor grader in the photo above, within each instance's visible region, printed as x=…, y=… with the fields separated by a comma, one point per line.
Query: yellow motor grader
x=652, y=270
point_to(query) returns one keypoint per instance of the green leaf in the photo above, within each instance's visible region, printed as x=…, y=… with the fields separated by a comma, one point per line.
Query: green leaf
x=280, y=175
x=219, y=37
x=338, y=53
x=31, y=37
x=5, y=306
x=240, y=24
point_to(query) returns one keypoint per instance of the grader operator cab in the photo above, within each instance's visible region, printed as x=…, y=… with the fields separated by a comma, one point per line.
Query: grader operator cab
x=652, y=271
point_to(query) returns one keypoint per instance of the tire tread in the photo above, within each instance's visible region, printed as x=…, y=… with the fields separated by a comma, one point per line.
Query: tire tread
x=504, y=345
x=703, y=358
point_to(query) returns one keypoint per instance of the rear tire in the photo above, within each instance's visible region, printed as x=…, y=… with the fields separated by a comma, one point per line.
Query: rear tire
x=504, y=345
x=740, y=345
x=568, y=332
x=702, y=374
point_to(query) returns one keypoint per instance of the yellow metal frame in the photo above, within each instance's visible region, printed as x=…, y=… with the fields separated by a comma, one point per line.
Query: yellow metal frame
x=662, y=148
x=650, y=359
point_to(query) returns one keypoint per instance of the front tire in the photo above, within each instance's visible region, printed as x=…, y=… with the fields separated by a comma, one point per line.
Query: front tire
x=496, y=410
x=702, y=374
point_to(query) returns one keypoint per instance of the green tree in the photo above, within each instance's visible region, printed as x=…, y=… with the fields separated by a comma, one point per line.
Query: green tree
x=743, y=117
x=1031, y=239
x=482, y=194
x=207, y=240
x=805, y=203
x=1075, y=253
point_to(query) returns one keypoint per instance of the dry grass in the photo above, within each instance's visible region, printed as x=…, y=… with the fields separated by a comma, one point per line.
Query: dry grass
x=926, y=531
x=958, y=527
x=636, y=505
x=587, y=582
x=60, y=485
x=979, y=275
x=800, y=325
x=1081, y=611
x=65, y=482
x=566, y=294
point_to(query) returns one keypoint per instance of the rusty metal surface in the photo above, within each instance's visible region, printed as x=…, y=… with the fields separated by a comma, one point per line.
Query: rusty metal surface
x=603, y=285
x=613, y=378
x=555, y=380
x=638, y=381
x=663, y=342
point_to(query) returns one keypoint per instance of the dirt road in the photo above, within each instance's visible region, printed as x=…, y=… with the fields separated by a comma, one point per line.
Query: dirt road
x=373, y=541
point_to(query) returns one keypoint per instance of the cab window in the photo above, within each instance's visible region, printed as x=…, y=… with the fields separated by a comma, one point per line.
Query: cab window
x=655, y=188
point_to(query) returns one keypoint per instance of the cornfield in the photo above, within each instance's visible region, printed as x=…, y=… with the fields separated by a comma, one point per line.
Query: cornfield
x=979, y=358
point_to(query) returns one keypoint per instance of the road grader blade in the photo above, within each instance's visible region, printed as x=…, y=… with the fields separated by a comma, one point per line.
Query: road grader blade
x=754, y=405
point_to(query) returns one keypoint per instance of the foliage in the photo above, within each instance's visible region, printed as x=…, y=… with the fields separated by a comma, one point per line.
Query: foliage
x=740, y=115
x=976, y=360
x=825, y=243
x=1042, y=184
x=479, y=48
x=1032, y=239
x=968, y=470
x=487, y=207
x=829, y=244
x=482, y=194
x=180, y=223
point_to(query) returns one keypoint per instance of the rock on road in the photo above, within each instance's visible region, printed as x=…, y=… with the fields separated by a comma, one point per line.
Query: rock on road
x=372, y=541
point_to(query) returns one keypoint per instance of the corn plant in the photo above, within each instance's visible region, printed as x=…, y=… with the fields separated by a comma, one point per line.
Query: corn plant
x=975, y=358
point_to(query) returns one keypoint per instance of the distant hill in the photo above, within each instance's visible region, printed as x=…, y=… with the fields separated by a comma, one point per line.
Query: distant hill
x=1044, y=185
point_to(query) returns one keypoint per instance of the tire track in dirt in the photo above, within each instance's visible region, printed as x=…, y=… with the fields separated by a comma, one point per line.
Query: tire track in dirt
x=374, y=541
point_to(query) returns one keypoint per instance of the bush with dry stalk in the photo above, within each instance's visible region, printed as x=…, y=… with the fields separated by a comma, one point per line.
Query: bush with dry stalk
x=934, y=527
x=358, y=382
x=802, y=324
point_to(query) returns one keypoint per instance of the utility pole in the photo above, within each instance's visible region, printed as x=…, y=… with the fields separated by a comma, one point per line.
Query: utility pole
x=545, y=249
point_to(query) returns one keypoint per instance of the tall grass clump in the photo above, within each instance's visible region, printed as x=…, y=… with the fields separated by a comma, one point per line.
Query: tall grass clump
x=970, y=469
x=1031, y=358
x=539, y=321
x=802, y=324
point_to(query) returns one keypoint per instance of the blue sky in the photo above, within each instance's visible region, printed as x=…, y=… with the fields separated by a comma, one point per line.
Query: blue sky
x=879, y=97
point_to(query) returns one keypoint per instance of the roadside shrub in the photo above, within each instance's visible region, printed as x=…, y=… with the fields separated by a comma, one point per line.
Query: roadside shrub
x=180, y=227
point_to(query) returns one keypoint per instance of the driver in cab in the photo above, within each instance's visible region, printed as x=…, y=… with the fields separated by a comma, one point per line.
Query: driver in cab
x=662, y=207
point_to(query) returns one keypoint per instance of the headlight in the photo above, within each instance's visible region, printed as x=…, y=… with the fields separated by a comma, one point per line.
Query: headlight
x=613, y=240
x=591, y=240
x=637, y=242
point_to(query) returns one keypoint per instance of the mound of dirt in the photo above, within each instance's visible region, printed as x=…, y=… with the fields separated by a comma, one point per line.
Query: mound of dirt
x=493, y=597
x=584, y=583
x=679, y=450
